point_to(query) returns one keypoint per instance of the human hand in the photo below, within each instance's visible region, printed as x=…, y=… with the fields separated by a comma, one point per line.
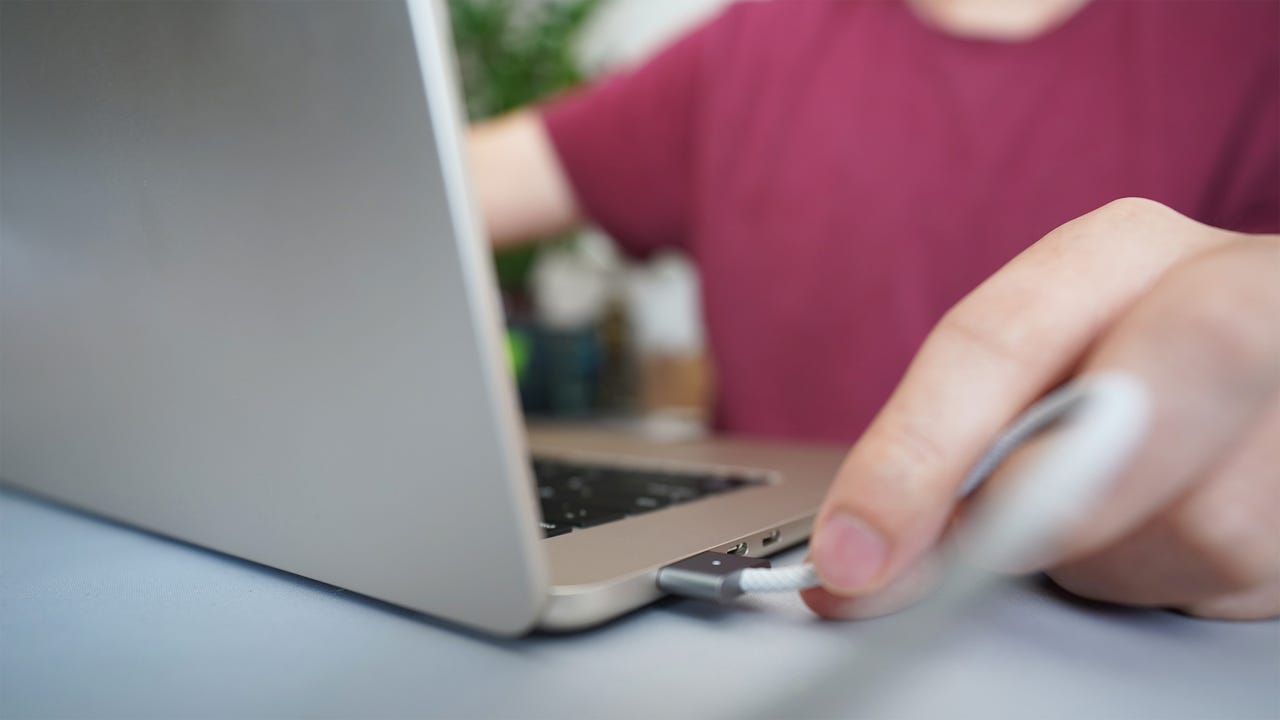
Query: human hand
x=1193, y=523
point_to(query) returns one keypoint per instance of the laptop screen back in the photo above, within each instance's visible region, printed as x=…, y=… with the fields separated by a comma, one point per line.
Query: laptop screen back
x=243, y=301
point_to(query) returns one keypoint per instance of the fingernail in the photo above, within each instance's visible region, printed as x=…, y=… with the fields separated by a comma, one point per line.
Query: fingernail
x=849, y=554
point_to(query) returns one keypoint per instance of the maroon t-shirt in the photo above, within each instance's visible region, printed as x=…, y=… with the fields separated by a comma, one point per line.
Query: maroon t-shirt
x=843, y=172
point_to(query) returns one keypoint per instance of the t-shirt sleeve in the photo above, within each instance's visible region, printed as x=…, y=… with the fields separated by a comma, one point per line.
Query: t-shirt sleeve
x=627, y=146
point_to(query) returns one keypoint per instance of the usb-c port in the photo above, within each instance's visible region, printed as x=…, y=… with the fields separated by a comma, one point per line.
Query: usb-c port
x=739, y=549
x=771, y=538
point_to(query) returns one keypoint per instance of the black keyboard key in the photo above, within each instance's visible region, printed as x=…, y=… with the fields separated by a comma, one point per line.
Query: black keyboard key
x=581, y=516
x=646, y=503
x=550, y=530
x=590, y=518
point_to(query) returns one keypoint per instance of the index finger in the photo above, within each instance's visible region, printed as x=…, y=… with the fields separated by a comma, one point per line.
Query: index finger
x=1001, y=347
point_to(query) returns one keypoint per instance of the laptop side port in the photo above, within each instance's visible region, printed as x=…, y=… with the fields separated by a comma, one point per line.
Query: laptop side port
x=739, y=549
x=770, y=538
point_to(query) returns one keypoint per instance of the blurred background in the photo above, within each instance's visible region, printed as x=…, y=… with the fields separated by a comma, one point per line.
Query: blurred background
x=591, y=335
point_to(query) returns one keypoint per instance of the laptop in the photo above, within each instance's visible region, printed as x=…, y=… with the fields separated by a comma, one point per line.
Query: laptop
x=246, y=302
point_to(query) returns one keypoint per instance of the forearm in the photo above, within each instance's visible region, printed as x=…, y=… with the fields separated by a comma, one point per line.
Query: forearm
x=520, y=186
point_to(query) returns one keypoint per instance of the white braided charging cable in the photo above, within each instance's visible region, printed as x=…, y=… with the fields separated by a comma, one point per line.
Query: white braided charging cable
x=1107, y=416
x=787, y=578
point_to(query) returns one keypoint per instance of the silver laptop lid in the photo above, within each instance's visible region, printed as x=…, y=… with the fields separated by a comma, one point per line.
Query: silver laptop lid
x=244, y=300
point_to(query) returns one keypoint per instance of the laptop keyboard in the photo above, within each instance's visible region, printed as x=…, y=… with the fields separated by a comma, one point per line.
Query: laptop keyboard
x=576, y=495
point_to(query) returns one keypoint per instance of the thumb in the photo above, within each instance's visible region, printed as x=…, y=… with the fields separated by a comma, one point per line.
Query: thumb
x=992, y=355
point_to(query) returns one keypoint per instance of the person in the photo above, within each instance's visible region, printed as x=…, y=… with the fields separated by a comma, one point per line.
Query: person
x=912, y=219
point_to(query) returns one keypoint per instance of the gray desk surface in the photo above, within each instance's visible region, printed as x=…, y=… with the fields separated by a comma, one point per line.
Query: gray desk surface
x=97, y=620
